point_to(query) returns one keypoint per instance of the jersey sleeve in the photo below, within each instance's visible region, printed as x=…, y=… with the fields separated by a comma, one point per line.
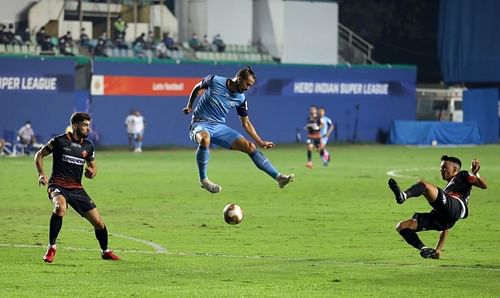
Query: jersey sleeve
x=207, y=81
x=51, y=144
x=242, y=109
x=91, y=153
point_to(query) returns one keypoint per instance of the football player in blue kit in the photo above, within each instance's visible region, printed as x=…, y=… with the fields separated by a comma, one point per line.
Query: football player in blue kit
x=208, y=126
x=448, y=205
x=71, y=151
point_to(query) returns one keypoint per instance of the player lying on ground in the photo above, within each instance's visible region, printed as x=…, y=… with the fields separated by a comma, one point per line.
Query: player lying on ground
x=448, y=205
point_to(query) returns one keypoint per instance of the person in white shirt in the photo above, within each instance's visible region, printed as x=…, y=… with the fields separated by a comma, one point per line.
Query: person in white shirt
x=135, y=125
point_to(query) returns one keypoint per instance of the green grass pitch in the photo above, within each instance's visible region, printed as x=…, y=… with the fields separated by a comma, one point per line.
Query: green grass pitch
x=329, y=234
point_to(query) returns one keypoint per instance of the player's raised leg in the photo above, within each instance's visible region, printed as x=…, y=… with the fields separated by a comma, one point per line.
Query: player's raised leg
x=261, y=161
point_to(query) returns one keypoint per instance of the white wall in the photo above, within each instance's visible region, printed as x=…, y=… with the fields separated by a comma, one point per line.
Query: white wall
x=311, y=32
x=231, y=19
x=10, y=11
x=268, y=25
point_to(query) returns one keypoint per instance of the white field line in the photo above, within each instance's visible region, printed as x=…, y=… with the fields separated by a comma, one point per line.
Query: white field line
x=399, y=173
x=278, y=258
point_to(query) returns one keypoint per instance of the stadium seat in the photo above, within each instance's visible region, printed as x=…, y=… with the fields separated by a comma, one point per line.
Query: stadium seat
x=2, y=49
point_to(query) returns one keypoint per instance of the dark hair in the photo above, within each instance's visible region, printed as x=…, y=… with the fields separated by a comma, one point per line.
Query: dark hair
x=452, y=159
x=78, y=117
x=246, y=72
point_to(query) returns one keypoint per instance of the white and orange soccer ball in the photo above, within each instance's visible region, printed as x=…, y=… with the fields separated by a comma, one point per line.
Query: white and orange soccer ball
x=233, y=214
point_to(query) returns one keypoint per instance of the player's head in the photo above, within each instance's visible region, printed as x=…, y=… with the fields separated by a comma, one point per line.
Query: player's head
x=321, y=111
x=80, y=124
x=450, y=166
x=245, y=78
x=313, y=110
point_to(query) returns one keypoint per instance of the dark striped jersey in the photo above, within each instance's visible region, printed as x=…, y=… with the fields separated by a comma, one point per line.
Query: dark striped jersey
x=69, y=157
x=313, y=127
x=460, y=186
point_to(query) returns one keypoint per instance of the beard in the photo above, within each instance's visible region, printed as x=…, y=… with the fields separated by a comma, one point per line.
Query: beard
x=81, y=134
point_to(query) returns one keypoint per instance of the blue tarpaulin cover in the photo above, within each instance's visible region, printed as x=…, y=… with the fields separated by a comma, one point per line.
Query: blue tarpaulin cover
x=429, y=132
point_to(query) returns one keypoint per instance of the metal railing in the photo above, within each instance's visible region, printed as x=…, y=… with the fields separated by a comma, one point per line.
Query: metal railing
x=353, y=48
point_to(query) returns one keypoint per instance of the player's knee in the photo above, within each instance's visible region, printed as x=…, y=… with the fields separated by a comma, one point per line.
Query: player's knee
x=251, y=147
x=203, y=138
x=399, y=226
x=59, y=208
x=99, y=225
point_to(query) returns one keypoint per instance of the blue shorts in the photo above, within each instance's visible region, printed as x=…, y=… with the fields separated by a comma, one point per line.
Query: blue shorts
x=324, y=141
x=220, y=134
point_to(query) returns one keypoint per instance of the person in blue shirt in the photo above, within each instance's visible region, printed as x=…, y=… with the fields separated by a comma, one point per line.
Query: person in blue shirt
x=326, y=130
x=208, y=124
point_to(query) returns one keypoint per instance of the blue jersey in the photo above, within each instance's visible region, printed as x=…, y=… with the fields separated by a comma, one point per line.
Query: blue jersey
x=217, y=100
x=327, y=122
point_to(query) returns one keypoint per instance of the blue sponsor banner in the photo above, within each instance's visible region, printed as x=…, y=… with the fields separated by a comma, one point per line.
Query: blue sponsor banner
x=37, y=89
x=363, y=101
x=37, y=75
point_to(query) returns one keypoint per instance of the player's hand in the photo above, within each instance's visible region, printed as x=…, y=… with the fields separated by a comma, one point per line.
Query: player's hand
x=89, y=173
x=267, y=144
x=42, y=180
x=475, y=166
x=187, y=110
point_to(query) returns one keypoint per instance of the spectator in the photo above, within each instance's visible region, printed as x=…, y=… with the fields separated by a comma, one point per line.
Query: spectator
x=100, y=47
x=3, y=36
x=120, y=27
x=26, y=36
x=65, y=44
x=84, y=39
x=219, y=43
x=161, y=51
x=205, y=44
x=135, y=125
x=149, y=41
x=26, y=136
x=120, y=43
x=40, y=36
x=169, y=42
x=11, y=35
x=47, y=46
x=141, y=39
x=194, y=43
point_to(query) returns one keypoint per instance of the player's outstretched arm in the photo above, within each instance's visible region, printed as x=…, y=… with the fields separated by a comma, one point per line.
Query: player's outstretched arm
x=39, y=155
x=250, y=129
x=192, y=97
x=443, y=235
x=479, y=181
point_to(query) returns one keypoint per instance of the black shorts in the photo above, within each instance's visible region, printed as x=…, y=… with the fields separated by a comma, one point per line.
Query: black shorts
x=315, y=141
x=76, y=198
x=445, y=213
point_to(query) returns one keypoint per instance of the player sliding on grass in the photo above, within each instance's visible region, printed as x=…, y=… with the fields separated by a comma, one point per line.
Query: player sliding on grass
x=449, y=205
x=208, y=124
x=70, y=152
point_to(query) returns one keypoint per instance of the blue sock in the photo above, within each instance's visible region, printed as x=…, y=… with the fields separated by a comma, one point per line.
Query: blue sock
x=202, y=157
x=263, y=163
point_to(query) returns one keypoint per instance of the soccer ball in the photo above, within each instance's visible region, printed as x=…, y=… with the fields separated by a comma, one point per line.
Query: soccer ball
x=233, y=214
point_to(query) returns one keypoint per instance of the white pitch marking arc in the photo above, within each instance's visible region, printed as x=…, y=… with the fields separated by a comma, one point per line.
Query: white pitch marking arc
x=397, y=173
